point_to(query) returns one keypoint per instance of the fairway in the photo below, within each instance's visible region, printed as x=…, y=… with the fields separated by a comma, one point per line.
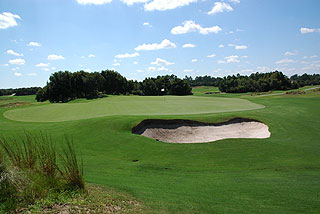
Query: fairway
x=130, y=105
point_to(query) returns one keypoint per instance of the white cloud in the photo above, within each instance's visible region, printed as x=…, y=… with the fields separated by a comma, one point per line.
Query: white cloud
x=244, y=57
x=162, y=5
x=191, y=26
x=248, y=71
x=221, y=62
x=42, y=65
x=140, y=71
x=55, y=57
x=8, y=20
x=87, y=70
x=194, y=60
x=189, y=46
x=240, y=47
x=127, y=55
x=235, y=1
x=96, y=2
x=211, y=56
x=147, y=24
x=232, y=59
x=187, y=70
x=13, y=53
x=162, y=69
x=131, y=2
x=45, y=69
x=135, y=62
x=6, y=65
x=221, y=46
x=165, y=44
x=305, y=30
x=231, y=45
x=34, y=44
x=160, y=62
x=314, y=56
x=16, y=68
x=288, y=53
x=220, y=7
x=152, y=68
x=116, y=64
x=91, y=55
x=17, y=74
x=283, y=61
x=32, y=74
x=53, y=68
x=17, y=61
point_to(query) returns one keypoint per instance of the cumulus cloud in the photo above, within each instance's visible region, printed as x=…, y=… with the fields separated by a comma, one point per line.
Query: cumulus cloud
x=165, y=44
x=161, y=62
x=17, y=61
x=162, y=69
x=240, y=47
x=187, y=70
x=32, y=74
x=194, y=60
x=305, y=30
x=220, y=7
x=140, y=71
x=191, y=26
x=116, y=64
x=55, y=57
x=131, y=2
x=211, y=56
x=284, y=61
x=42, y=65
x=288, y=53
x=221, y=46
x=189, y=46
x=232, y=59
x=147, y=24
x=45, y=69
x=135, y=62
x=11, y=52
x=95, y=2
x=34, y=44
x=162, y=5
x=91, y=55
x=235, y=1
x=8, y=20
x=17, y=74
x=127, y=55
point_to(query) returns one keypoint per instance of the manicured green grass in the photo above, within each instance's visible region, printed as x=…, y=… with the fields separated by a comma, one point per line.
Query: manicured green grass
x=276, y=175
x=204, y=89
x=129, y=105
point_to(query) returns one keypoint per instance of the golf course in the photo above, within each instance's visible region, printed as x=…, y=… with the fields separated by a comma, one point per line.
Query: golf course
x=278, y=174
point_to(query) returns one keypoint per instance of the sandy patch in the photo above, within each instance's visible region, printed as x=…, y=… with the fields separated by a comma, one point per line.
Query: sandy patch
x=187, y=131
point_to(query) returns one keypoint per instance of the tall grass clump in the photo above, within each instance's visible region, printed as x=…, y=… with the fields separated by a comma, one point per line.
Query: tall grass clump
x=72, y=170
x=30, y=171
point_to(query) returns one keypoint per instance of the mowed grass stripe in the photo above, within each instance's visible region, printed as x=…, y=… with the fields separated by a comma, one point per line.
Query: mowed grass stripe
x=130, y=105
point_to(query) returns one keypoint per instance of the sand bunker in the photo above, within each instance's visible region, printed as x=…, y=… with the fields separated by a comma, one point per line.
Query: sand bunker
x=188, y=131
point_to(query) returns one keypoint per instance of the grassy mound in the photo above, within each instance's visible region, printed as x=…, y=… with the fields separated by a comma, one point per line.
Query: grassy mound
x=129, y=105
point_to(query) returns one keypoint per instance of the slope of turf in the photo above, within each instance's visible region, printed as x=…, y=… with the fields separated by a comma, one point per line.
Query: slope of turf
x=129, y=105
x=276, y=175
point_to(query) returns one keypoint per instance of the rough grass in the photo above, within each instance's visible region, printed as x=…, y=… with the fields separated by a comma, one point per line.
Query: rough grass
x=276, y=175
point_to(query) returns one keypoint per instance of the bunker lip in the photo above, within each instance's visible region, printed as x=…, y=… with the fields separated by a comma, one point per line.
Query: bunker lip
x=189, y=131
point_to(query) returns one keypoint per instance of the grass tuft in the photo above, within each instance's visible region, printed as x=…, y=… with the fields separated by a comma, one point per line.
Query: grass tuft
x=72, y=170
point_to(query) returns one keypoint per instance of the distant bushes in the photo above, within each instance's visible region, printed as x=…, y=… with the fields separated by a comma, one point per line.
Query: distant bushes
x=29, y=170
x=256, y=82
x=66, y=86
x=19, y=91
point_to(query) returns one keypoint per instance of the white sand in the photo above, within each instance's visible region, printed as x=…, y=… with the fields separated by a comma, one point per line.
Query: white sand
x=207, y=133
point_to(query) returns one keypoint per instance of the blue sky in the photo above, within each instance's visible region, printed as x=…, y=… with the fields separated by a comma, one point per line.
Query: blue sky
x=143, y=38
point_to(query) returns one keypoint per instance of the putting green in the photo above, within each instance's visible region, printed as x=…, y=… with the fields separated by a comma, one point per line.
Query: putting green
x=129, y=105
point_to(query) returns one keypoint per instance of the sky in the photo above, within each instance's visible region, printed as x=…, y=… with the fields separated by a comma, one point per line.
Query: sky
x=147, y=38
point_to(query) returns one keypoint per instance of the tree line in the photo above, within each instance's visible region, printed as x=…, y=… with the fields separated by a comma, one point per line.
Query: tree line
x=64, y=86
x=256, y=82
x=19, y=91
